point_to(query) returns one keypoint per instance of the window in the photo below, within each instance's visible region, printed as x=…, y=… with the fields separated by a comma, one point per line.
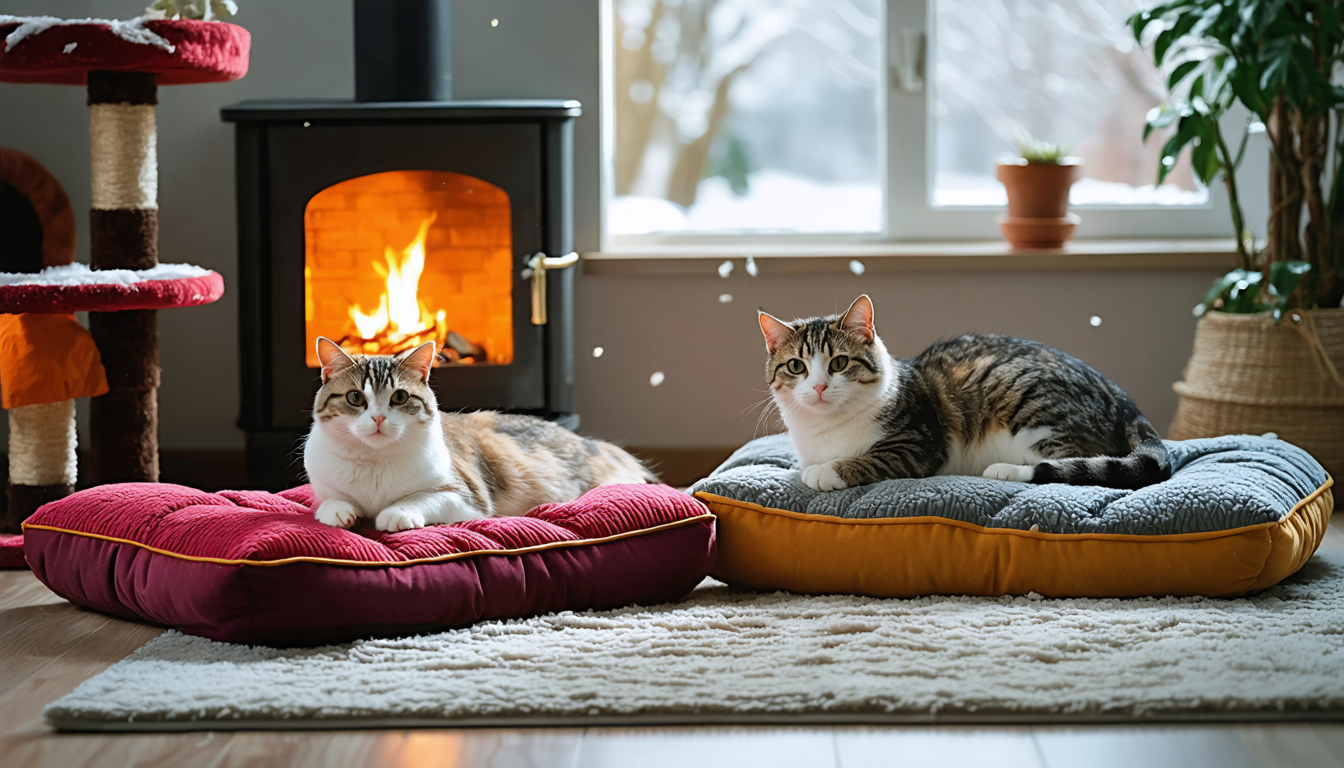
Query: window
x=866, y=120
x=746, y=116
x=1066, y=71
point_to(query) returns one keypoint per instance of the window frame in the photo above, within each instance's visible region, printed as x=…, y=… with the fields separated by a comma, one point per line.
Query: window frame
x=907, y=130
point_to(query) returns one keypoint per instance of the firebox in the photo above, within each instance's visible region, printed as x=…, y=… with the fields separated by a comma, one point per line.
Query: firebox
x=385, y=224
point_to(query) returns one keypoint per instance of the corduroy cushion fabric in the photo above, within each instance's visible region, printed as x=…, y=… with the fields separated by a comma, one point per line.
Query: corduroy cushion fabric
x=1240, y=514
x=255, y=567
x=11, y=551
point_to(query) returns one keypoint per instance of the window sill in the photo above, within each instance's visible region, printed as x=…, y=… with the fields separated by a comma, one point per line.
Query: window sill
x=1193, y=254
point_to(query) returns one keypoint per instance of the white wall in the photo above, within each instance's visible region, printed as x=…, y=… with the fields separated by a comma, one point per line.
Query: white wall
x=710, y=352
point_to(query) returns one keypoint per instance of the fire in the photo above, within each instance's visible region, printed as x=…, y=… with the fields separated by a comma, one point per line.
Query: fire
x=401, y=320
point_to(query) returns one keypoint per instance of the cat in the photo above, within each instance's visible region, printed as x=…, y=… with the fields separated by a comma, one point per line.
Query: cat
x=380, y=448
x=978, y=404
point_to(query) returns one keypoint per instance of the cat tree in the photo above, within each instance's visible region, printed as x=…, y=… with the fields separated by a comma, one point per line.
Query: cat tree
x=122, y=63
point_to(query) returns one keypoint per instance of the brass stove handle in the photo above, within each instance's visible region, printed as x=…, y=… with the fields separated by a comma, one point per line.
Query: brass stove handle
x=538, y=266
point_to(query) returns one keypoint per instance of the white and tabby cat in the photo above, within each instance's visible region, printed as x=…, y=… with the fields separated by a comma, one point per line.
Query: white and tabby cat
x=978, y=404
x=380, y=448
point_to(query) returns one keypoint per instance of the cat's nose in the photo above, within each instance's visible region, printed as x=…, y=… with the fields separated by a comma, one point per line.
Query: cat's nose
x=820, y=388
x=379, y=420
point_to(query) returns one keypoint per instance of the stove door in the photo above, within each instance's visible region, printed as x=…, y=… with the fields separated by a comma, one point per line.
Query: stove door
x=362, y=214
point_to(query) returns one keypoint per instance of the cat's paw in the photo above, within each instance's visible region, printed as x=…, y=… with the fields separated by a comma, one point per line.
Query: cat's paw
x=1016, y=472
x=337, y=513
x=823, y=477
x=399, y=517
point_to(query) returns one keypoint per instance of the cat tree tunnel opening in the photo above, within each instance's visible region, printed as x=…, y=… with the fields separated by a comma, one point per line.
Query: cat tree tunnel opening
x=398, y=258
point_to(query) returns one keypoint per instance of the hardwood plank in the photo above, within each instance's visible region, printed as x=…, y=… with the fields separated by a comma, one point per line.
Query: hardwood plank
x=1151, y=747
x=34, y=636
x=77, y=750
x=15, y=593
x=535, y=748
x=1293, y=745
x=23, y=741
x=735, y=747
x=941, y=747
x=1332, y=736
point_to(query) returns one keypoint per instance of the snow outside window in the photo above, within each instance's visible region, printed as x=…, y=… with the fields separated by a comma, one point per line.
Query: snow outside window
x=746, y=116
x=770, y=120
x=1065, y=71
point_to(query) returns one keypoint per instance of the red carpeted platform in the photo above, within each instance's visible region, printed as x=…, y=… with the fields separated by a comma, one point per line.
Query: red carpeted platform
x=111, y=297
x=201, y=51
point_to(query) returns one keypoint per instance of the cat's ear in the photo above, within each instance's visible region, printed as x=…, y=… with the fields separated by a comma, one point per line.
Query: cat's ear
x=420, y=360
x=333, y=358
x=775, y=330
x=858, y=319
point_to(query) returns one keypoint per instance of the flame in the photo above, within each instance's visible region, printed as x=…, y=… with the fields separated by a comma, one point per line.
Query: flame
x=401, y=320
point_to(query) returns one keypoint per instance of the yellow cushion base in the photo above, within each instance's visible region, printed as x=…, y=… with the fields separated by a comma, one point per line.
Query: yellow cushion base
x=767, y=549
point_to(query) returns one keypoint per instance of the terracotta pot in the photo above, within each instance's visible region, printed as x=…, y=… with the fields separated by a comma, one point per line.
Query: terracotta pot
x=1038, y=233
x=1250, y=376
x=1038, y=202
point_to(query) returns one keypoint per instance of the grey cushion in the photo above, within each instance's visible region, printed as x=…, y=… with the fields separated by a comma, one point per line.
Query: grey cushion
x=1217, y=484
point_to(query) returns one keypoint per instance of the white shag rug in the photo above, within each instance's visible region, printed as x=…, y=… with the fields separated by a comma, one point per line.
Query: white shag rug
x=727, y=656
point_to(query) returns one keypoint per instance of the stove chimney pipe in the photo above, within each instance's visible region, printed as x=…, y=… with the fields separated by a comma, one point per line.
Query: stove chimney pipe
x=403, y=50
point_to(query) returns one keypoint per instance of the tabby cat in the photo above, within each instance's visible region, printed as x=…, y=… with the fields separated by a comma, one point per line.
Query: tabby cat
x=380, y=449
x=978, y=404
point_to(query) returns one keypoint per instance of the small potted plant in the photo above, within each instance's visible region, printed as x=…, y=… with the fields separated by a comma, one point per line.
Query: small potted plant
x=1038, y=182
x=1269, y=346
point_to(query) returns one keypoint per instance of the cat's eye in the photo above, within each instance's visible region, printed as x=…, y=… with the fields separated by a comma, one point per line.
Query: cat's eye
x=796, y=367
x=354, y=397
x=839, y=363
x=400, y=397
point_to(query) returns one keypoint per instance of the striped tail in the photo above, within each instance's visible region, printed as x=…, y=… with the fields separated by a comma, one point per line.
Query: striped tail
x=1147, y=463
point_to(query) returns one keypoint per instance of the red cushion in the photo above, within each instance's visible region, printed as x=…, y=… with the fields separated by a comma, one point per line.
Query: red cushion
x=11, y=551
x=203, y=52
x=255, y=567
x=111, y=297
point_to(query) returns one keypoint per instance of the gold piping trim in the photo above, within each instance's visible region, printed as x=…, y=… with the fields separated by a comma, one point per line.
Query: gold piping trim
x=710, y=498
x=377, y=563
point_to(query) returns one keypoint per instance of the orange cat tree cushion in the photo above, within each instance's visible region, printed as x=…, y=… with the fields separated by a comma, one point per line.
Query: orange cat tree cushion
x=1240, y=514
x=30, y=373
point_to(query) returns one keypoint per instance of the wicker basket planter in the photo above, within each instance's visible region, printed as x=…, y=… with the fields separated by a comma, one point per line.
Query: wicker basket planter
x=1249, y=376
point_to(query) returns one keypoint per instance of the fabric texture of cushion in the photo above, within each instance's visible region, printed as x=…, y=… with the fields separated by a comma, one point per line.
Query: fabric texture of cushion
x=11, y=551
x=255, y=567
x=1239, y=514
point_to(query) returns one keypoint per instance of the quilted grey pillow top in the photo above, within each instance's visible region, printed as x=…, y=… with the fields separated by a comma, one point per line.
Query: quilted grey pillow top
x=1217, y=484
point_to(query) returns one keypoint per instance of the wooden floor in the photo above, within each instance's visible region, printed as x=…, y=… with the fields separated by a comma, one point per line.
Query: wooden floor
x=48, y=646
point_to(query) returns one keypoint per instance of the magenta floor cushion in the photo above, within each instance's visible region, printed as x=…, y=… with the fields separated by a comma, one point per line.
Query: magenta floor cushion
x=255, y=567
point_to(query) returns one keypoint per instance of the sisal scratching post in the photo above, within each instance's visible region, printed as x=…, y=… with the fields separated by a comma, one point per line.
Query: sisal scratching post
x=122, y=63
x=42, y=468
x=124, y=234
x=46, y=360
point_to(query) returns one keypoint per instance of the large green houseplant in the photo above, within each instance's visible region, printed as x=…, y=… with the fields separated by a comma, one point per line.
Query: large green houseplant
x=1269, y=349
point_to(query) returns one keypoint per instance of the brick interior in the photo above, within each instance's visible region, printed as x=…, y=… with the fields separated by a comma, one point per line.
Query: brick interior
x=468, y=253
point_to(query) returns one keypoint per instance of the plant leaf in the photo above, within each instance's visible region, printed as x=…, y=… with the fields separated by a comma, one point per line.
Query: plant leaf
x=1204, y=159
x=1221, y=286
x=1284, y=276
x=1178, y=74
x=1241, y=297
x=1187, y=130
x=1159, y=117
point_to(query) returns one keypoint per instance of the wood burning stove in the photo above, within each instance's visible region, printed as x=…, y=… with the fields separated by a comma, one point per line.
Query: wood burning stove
x=383, y=224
